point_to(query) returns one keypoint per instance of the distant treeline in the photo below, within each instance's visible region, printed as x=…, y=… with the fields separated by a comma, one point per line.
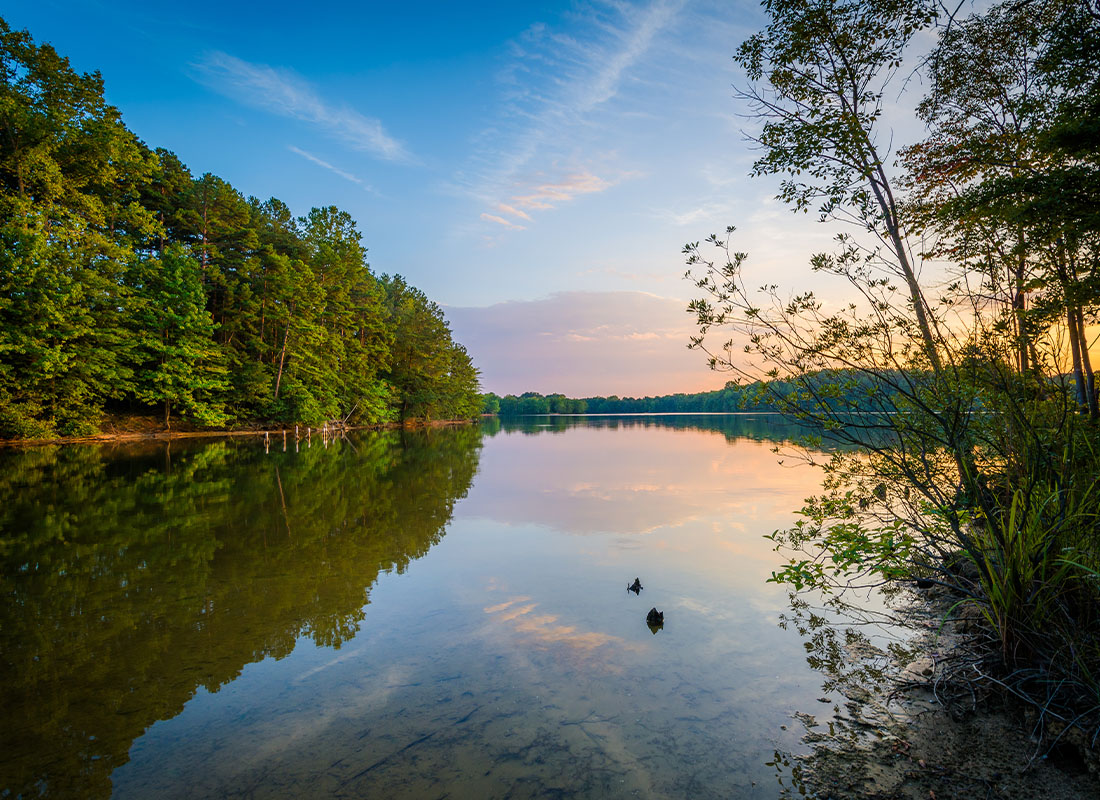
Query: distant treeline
x=853, y=389
x=128, y=283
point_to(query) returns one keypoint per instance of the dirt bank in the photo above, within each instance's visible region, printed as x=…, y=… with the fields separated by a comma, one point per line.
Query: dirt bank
x=896, y=731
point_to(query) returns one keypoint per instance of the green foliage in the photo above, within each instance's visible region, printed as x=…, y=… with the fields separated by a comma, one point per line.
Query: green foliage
x=971, y=456
x=175, y=359
x=69, y=172
x=827, y=63
x=433, y=375
x=126, y=280
x=490, y=403
x=1002, y=186
x=856, y=391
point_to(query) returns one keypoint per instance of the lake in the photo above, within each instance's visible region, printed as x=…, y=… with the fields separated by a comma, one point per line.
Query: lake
x=409, y=614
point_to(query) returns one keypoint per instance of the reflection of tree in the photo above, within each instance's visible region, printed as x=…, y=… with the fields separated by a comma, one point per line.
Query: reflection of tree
x=758, y=427
x=130, y=579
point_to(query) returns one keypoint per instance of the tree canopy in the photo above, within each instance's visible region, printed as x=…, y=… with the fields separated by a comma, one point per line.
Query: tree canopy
x=969, y=397
x=128, y=283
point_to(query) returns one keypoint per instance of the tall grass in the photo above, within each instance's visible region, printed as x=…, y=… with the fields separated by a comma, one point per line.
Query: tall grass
x=1037, y=556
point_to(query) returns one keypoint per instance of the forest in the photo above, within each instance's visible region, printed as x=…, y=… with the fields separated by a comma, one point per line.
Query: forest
x=769, y=395
x=128, y=283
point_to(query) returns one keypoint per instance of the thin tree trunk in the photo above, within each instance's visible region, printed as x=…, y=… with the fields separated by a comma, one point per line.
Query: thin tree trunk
x=1019, y=306
x=1087, y=380
x=282, y=358
x=205, y=223
x=1071, y=326
x=1086, y=366
x=881, y=188
x=1075, y=349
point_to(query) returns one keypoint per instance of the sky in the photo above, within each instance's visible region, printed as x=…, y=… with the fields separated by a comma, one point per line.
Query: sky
x=534, y=167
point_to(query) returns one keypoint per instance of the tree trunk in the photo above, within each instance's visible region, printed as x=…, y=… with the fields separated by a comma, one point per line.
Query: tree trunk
x=1075, y=350
x=1075, y=338
x=885, y=199
x=1086, y=366
x=1019, y=306
x=167, y=415
x=282, y=358
x=205, y=224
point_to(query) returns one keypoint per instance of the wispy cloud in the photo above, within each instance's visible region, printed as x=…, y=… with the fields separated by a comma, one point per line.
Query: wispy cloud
x=284, y=92
x=638, y=37
x=718, y=212
x=537, y=154
x=502, y=221
x=515, y=212
x=547, y=194
x=322, y=163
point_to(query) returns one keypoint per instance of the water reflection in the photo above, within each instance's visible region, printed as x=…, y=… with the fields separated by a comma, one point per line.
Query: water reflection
x=132, y=577
x=760, y=427
x=206, y=620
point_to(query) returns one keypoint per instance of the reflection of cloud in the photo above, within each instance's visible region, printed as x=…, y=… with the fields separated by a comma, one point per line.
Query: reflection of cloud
x=287, y=94
x=642, y=483
x=501, y=606
x=347, y=654
x=584, y=344
x=544, y=629
x=279, y=740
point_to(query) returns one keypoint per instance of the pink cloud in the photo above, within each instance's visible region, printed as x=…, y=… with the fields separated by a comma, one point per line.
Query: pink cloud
x=585, y=344
x=502, y=221
x=547, y=195
x=573, y=185
x=507, y=209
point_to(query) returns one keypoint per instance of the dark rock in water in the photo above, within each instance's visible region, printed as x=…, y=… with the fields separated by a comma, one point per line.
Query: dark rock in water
x=635, y=587
x=655, y=617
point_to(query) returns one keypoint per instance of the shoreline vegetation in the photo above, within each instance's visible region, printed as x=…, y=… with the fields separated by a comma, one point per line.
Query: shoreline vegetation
x=128, y=283
x=756, y=396
x=958, y=376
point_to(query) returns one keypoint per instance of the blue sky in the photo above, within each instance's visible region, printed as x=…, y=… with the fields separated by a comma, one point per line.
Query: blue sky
x=534, y=167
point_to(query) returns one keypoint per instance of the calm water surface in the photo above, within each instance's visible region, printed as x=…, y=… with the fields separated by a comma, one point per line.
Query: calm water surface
x=416, y=615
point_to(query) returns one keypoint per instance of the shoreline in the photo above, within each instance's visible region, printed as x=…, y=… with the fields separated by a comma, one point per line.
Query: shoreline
x=169, y=435
x=905, y=737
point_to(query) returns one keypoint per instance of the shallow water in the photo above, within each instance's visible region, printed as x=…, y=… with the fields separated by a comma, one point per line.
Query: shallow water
x=430, y=614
